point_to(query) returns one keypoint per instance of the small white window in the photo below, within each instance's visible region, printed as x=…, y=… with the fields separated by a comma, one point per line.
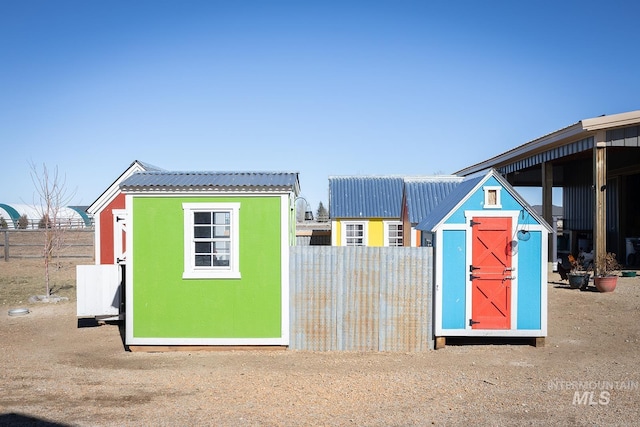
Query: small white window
x=354, y=234
x=492, y=197
x=211, y=248
x=392, y=233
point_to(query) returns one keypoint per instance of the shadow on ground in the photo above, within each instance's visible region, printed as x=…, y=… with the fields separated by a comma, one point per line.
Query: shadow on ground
x=13, y=419
x=468, y=341
x=92, y=322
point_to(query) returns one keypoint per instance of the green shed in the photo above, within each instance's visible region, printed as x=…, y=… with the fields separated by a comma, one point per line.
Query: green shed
x=208, y=257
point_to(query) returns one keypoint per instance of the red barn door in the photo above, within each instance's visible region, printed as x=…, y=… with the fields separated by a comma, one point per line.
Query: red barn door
x=490, y=273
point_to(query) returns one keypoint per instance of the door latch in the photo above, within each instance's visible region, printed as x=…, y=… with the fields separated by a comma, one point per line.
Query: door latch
x=472, y=322
x=473, y=267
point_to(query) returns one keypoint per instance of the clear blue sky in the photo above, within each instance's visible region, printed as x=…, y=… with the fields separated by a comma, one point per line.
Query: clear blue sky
x=319, y=87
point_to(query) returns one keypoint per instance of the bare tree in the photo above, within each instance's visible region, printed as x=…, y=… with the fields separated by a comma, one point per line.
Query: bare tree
x=51, y=197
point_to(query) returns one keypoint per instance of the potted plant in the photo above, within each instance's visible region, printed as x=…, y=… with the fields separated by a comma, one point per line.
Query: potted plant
x=578, y=276
x=606, y=278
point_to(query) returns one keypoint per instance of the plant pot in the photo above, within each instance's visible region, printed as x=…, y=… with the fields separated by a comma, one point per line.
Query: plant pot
x=628, y=274
x=605, y=283
x=578, y=280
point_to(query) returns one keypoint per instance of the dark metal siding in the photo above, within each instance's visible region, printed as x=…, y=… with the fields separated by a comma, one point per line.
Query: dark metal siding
x=625, y=137
x=314, y=240
x=613, y=216
x=577, y=202
x=577, y=196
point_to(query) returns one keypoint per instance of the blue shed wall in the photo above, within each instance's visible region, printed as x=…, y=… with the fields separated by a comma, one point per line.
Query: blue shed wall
x=529, y=273
x=454, y=280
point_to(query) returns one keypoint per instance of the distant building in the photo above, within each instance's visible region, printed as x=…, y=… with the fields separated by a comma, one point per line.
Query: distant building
x=67, y=216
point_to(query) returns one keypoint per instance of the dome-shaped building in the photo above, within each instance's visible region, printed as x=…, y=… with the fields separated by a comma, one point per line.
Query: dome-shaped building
x=67, y=217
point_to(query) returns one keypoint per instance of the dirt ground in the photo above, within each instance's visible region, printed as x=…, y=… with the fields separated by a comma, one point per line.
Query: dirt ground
x=55, y=372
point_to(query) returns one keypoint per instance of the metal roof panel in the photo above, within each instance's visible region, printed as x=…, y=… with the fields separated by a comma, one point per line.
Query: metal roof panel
x=365, y=196
x=166, y=180
x=423, y=195
x=440, y=211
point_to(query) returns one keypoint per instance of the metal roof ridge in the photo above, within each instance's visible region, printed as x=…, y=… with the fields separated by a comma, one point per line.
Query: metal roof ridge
x=166, y=172
x=433, y=178
x=366, y=176
x=147, y=166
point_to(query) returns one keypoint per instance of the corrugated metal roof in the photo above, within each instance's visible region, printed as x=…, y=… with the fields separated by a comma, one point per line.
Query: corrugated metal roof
x=169, y=180
x=365, y=196
x=110, y=192
x=425, y=194
x=148, y=166
x=448, y=204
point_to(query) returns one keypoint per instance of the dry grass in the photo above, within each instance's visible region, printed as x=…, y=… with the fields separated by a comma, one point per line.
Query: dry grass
x=21, y=278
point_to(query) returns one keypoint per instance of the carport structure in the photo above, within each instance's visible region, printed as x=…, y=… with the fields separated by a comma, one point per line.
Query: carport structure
x=596, y=162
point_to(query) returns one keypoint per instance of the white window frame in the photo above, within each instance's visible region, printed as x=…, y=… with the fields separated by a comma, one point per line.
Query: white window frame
x=487, y=190
x=365, y=232
x=387, y=231
x=191, y=271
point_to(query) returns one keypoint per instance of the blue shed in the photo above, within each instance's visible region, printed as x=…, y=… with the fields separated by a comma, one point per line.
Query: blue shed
x=490, y=264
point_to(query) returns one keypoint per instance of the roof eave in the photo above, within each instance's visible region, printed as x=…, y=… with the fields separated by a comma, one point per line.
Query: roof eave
x=577, y=131
x=612, y=121
x=205, y=189
x=570, y=133
x=113, y=189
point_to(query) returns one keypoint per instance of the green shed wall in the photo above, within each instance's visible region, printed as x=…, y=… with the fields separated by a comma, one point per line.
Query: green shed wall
x=167, y=306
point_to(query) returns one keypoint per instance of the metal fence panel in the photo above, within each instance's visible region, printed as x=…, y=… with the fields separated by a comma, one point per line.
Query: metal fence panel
x=361, y=299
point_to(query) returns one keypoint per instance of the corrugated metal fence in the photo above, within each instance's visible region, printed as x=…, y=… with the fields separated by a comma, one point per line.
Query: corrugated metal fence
x=361, y=298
